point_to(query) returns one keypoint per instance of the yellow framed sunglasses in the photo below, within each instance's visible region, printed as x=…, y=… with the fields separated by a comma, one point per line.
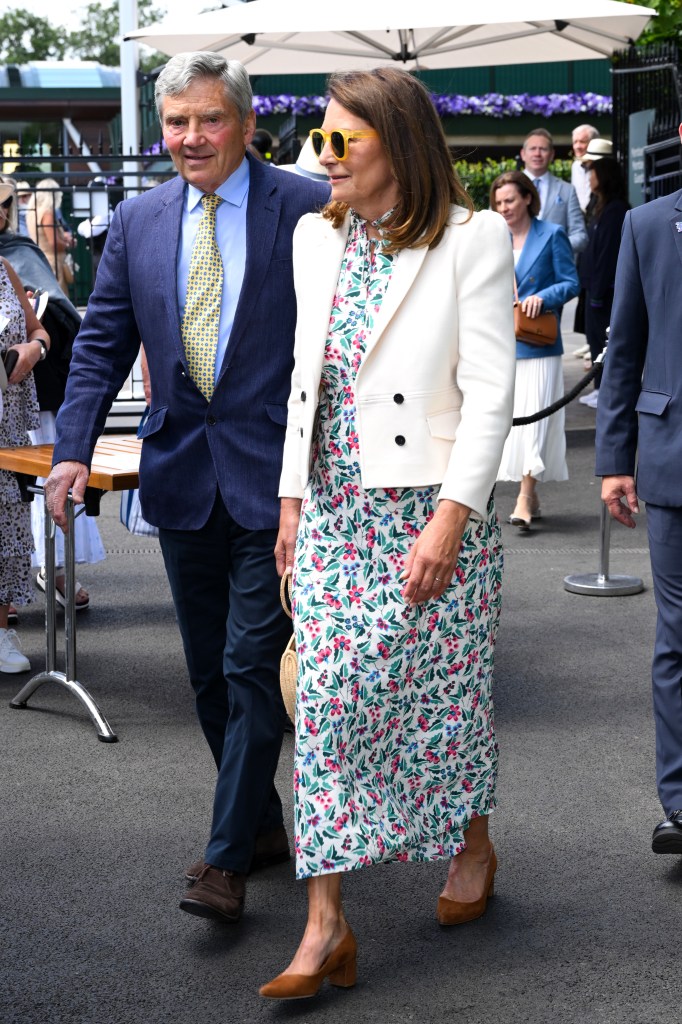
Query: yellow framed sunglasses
x=338, y=140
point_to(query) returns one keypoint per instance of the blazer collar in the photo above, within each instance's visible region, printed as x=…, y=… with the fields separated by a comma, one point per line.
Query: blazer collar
x=169, y=218
x=405, y=269
x=676, y=226
x=537, y=238
x=262, y=220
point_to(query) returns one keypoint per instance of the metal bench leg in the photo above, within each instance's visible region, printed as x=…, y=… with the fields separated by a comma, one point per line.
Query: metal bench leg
x=68, y=680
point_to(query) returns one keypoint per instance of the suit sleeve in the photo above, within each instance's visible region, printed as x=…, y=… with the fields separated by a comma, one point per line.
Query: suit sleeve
x=103, y=353
x=486, y=367
x=577, y=232
x=616, y=440
x=565, y=277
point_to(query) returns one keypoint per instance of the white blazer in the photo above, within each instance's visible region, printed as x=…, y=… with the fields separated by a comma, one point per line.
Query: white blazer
x=434, y=391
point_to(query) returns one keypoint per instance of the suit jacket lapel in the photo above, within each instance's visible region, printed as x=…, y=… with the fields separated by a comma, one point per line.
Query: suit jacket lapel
x=676, y=226
x=405, y=268
x=169, y=219
x=262, y=219
x=552, y=189
x=536, y=240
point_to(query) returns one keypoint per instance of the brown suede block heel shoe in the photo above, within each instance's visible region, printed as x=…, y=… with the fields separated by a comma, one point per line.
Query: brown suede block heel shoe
x=456, y=912
x=340, y=967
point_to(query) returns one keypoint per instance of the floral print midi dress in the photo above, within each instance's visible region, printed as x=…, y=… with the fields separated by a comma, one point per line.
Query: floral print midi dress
x=395, y=747
x=19, y=415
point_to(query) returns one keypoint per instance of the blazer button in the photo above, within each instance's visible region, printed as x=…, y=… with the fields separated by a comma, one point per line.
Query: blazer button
x=211, y=420
x=303, y=396
x=400, y=440
x=398, y=399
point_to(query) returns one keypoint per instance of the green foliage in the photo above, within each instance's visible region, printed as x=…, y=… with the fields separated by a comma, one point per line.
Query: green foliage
x=478, y=177
x=25, y=36
x=668, y=24
x=98, y=39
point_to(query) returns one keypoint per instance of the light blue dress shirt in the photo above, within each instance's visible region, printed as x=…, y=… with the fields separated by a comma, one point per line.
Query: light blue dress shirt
x=231, y=239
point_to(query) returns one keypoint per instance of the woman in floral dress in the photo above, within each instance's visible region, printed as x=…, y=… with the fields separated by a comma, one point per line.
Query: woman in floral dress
x=22, y=332
x=400, y=405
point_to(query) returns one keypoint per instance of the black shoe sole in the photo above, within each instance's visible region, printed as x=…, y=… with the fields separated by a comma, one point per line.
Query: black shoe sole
x=210, y=913
x=665, y=843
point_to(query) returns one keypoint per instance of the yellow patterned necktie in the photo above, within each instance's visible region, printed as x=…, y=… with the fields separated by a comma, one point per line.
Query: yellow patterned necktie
x=201, y=320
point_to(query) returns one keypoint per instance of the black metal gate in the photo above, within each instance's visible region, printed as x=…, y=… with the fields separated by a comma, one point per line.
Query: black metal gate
x=648, y=78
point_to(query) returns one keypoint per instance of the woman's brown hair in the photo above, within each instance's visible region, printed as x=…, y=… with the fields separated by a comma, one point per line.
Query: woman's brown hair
x=524, y=185
x=400, y=110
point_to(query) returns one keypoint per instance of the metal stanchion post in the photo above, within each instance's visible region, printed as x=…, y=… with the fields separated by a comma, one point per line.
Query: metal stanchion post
x=601, y=584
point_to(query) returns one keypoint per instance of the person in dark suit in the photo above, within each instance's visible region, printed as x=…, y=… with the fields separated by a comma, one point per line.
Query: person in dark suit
x=558, y=199
x=639, y=419
x=200, y=268
x=597, y=266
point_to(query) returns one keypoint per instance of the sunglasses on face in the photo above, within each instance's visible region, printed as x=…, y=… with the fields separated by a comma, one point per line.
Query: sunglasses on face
x=7, y=203
x=338, y=140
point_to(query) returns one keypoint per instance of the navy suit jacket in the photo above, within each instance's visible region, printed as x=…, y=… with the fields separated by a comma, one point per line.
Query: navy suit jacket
x=193, y=447
x=546, y=268
x=639, y=416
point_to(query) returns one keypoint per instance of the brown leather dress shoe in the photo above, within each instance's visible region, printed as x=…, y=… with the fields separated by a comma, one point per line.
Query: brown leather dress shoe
x=217, y=895
x=271, y=848
x=340, y=967
x=457, y=912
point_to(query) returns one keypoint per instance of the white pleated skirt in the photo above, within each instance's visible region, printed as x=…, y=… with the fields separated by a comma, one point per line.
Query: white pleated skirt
x=89, y=547
x=539, y=449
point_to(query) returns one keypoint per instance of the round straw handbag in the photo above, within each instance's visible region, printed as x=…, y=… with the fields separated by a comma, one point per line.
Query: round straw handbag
x=288, y=666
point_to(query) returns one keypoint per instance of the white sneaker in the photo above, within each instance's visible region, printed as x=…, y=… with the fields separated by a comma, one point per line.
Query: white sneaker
x=585, y=399
x=592, y=399
x=584, y=350
x=11, y=658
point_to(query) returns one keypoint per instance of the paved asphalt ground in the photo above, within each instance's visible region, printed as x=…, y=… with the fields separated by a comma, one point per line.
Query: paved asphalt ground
x=584, y=925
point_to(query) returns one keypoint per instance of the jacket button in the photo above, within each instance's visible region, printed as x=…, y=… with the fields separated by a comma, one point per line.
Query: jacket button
x=398, y=399
x=301, y=431
x=303, y=396
x=211, y=420
x=400, y=440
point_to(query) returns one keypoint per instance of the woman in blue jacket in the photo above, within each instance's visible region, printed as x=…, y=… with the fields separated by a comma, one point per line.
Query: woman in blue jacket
x=546, y=278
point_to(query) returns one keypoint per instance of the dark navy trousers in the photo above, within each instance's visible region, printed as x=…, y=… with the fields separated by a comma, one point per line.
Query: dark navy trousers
x=665, y=542
x=226, y=594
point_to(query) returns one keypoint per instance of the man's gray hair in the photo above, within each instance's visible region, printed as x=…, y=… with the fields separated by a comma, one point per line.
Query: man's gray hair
x=185, y=68
x=593, y=132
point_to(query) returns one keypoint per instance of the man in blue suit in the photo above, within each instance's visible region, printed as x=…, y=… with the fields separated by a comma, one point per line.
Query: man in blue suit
x=200, y=270
x=559, y=202
x=639, y=419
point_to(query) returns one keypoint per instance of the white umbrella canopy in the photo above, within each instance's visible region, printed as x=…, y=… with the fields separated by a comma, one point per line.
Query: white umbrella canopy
x=273, y=37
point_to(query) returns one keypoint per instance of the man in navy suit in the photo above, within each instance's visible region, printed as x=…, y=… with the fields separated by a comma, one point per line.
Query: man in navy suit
x=559, y=202
x=639, y=418
x=211, y=457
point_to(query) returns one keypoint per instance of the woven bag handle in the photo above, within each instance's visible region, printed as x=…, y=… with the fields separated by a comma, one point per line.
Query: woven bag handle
x=285, y=591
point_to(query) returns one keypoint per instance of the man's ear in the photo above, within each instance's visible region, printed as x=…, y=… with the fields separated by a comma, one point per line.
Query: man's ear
x=249, y=127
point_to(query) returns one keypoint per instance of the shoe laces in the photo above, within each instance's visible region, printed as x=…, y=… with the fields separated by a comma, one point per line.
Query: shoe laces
x=10, y=639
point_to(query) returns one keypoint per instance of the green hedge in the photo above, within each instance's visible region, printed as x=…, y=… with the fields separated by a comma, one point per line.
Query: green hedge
x=478, y=178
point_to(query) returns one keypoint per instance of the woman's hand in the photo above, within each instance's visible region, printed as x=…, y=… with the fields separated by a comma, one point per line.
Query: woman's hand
x=532, y=306
x=289, y=516
x=29, y=354
x=433, y=557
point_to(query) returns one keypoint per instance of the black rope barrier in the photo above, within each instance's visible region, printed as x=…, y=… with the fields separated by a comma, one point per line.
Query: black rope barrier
x=523, y=421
